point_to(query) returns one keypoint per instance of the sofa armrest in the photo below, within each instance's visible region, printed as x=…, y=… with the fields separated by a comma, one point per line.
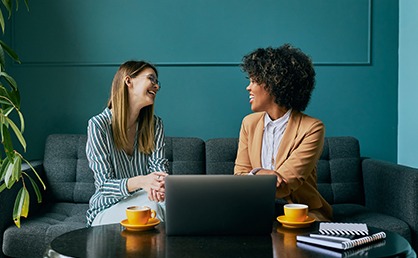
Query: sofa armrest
x=392, y=189
x=8, y=196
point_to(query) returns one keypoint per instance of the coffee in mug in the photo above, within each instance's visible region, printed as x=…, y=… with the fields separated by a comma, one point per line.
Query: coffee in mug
x=295, y=212
x=139, y=215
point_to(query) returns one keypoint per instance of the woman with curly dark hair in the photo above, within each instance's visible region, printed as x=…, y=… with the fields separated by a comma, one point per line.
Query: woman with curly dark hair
x=278, y=139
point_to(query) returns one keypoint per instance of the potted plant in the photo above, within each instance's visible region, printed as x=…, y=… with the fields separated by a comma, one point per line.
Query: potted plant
x=10, y=159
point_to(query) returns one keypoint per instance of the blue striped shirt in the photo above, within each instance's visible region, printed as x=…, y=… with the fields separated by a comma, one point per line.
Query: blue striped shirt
x=112, y=167
x=272, y=137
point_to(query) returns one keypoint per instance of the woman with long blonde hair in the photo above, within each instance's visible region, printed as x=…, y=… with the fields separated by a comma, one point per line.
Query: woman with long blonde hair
x=125, y=147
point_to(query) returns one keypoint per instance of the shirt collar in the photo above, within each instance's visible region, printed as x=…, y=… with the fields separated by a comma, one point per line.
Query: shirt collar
x=280, y=120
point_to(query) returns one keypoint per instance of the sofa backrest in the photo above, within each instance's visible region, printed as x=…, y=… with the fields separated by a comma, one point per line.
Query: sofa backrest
x=340, y=177
x=70, y=179
x=339, y=168
x=220, y=155
x=66, y=167
x=186, y=155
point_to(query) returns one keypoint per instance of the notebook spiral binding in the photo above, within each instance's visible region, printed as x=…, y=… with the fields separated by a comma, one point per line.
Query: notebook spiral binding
x=344, y=232
x=355, y=229
x=363, y=240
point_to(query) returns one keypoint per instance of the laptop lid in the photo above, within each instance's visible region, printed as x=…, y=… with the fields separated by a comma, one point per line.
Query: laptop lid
x=219, y=204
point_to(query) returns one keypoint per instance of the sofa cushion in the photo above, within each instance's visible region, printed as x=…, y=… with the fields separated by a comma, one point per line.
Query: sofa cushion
x=66, y=167
x=220, y=155
x=339, y=171
x=186, y=155
x=355, y=213
x=37, y=232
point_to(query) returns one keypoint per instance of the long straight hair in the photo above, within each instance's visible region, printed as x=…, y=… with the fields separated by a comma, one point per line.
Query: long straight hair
x=119, y=103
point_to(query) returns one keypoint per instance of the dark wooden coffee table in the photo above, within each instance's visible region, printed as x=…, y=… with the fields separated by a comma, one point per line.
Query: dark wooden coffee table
x=114, y=241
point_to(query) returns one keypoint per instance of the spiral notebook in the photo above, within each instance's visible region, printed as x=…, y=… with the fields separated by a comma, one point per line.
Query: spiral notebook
x=355, y=229
x=341, y=236
x=329, y=252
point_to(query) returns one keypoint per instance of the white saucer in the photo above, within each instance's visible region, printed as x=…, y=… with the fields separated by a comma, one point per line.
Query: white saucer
x=150, y=225
x=292, y=224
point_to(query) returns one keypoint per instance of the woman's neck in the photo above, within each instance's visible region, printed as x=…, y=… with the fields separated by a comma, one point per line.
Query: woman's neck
x=277, y=112
x=133, y=116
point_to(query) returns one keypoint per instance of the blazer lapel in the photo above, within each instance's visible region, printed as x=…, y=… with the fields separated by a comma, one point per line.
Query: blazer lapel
x=288, y=138
x=257, y=143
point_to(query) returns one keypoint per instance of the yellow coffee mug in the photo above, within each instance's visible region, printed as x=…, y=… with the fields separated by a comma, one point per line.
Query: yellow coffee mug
x=139, y=215
x=295, y=212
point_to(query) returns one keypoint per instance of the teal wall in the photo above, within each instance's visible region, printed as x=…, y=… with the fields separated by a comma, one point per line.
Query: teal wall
x=70, y=51
x=408, y=81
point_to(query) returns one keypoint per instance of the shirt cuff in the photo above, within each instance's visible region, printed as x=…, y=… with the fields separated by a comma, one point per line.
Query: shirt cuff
x=124, y=187
x=254, y=171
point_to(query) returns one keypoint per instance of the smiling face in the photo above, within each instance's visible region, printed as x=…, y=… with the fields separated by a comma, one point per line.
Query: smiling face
x=260, y=99
x=143, y=87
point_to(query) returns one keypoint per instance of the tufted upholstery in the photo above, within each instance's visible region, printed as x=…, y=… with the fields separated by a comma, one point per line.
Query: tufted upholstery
x=339, y=168
x=339, y=171
x=220, y=155
x=70, y=184
x=343, y=179
x=66, y=167
x=366, y=191
x=185, y=155
x=36, y=233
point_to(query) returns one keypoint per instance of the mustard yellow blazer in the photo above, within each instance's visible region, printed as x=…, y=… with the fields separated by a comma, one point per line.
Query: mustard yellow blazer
x=296, y=160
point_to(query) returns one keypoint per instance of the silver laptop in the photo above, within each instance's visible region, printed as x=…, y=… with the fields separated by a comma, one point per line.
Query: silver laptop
x=219, y=205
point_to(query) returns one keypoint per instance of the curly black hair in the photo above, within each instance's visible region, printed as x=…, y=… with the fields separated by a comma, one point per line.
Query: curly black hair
x=286, y=72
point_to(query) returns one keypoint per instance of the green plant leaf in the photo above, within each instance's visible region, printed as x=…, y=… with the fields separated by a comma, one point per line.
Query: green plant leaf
x=36, y=188
x=10, y=80
x=17, y=168
x=2, y=23
x=14, y=96
x=3, y=91
x=22, y=121
x=27, y=4
x=9, y=106
x=2, y=187
x=13, y=171
x=33, y=169
x=8, y=6
x=11, y=165
x=10, y=51
x=21, y=207
x=6, y=111
x=7, y=142
x=4, y=165
x=17, y=132
x=8, y=177
x=5, y=100
x=2, y=121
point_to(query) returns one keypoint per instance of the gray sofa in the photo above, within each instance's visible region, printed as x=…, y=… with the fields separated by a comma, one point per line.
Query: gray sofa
x=378, y=193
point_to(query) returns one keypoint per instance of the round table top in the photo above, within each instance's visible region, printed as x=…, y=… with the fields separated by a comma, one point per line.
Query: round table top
x=116, y=241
